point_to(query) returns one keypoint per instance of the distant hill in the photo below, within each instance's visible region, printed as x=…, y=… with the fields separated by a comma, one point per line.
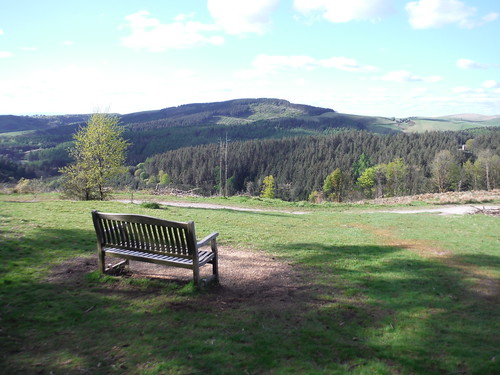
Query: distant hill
x=471, y=117
x=10, y=123
x=238, y=111
x=260, y=113
x=232, y=112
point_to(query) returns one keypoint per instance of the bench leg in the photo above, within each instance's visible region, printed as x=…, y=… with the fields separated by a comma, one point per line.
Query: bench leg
x=100, y=261
x=215, y=261
x=215, y=268
x=196, y=277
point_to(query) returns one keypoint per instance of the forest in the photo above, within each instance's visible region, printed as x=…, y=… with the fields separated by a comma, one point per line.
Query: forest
x=300, y=165
x=231, y=147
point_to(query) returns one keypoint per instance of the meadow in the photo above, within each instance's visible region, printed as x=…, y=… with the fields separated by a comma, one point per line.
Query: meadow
x=351, y=290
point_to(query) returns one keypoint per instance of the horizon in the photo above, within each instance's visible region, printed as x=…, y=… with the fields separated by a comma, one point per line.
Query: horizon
x=159, y=109
x=383, y=58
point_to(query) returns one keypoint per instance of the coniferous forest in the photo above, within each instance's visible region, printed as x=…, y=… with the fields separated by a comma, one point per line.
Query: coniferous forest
x=301, y=164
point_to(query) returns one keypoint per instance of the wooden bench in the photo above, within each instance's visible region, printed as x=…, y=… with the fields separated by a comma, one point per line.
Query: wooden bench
x=153, y=240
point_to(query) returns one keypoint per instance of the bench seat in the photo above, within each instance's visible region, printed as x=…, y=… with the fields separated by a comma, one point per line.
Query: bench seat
x=203, y=257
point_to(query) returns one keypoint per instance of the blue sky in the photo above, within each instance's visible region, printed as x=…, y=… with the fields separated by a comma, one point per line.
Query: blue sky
x=368, y=57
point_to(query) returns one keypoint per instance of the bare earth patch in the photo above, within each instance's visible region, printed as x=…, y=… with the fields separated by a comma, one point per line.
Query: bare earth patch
x=246, y=276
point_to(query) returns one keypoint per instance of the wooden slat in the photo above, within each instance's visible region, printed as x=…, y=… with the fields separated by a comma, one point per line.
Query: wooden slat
x=107, y=231
x=157, y=239
x=182, y=234
x=171, y=240
x=163, y=239
x=205, y=256
x=142, y=240
x=135, y=237
x=150, y=257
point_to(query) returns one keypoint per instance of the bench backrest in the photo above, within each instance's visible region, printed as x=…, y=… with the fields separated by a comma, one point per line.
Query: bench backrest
x=145, y=233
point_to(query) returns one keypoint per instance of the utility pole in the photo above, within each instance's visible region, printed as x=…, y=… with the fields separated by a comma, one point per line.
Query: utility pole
x=220, y=166
x=225, y=166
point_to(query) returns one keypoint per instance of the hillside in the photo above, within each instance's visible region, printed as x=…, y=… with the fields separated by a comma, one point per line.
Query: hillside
x=452, y=123
x=37, y=145
x=10, y=123
x=260, y=112
x=474, y=117
x=232, y=112
x=158, y=131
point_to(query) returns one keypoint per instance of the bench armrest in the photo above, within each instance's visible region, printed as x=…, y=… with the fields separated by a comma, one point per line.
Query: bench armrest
x=207, y=239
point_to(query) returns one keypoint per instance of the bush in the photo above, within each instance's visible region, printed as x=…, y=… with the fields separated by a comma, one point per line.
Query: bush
x=151, y=205
x=27, y=186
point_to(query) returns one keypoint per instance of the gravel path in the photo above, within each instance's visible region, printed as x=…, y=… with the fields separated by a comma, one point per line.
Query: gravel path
x=211, y=206
x=446, y=210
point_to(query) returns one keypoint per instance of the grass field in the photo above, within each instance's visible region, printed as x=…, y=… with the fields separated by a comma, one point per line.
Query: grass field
x=442, y=124
x=373, y=293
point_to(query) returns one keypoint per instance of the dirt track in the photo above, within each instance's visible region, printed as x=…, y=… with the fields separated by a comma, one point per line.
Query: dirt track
x=214, y=206
x=445, y=210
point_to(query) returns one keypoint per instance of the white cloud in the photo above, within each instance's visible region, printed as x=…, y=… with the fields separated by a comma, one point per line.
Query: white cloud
x=491, y=84
x=404, y=76
x=345, y=11
x=266, y=64
x=184, y=73
x=2, y=32
x=350, y=65
x=149, y=33
x=237, y=17
x=426, y=14
x=462, y=90
x=469, y=64
x=491, y=17
x=5, y=54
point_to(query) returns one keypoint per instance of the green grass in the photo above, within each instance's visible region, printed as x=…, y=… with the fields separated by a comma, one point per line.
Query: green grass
x=16, y=133
x=151, y=205
x=384, y=294
x=440, y=124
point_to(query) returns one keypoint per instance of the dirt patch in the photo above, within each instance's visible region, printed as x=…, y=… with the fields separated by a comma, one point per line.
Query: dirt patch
x=72, y=271
x=246, y=276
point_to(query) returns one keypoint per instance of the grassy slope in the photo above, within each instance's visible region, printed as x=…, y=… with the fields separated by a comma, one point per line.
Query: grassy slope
x=389, y=294
x=439, y=124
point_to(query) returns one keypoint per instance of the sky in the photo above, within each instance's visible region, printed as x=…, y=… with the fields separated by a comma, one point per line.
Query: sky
x=393, y=58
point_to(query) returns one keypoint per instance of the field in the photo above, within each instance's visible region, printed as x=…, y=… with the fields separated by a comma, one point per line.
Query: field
x=348, y=289
x=421, y=124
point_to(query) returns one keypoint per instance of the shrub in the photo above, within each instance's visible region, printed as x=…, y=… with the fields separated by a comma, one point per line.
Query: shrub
x=151, y=205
